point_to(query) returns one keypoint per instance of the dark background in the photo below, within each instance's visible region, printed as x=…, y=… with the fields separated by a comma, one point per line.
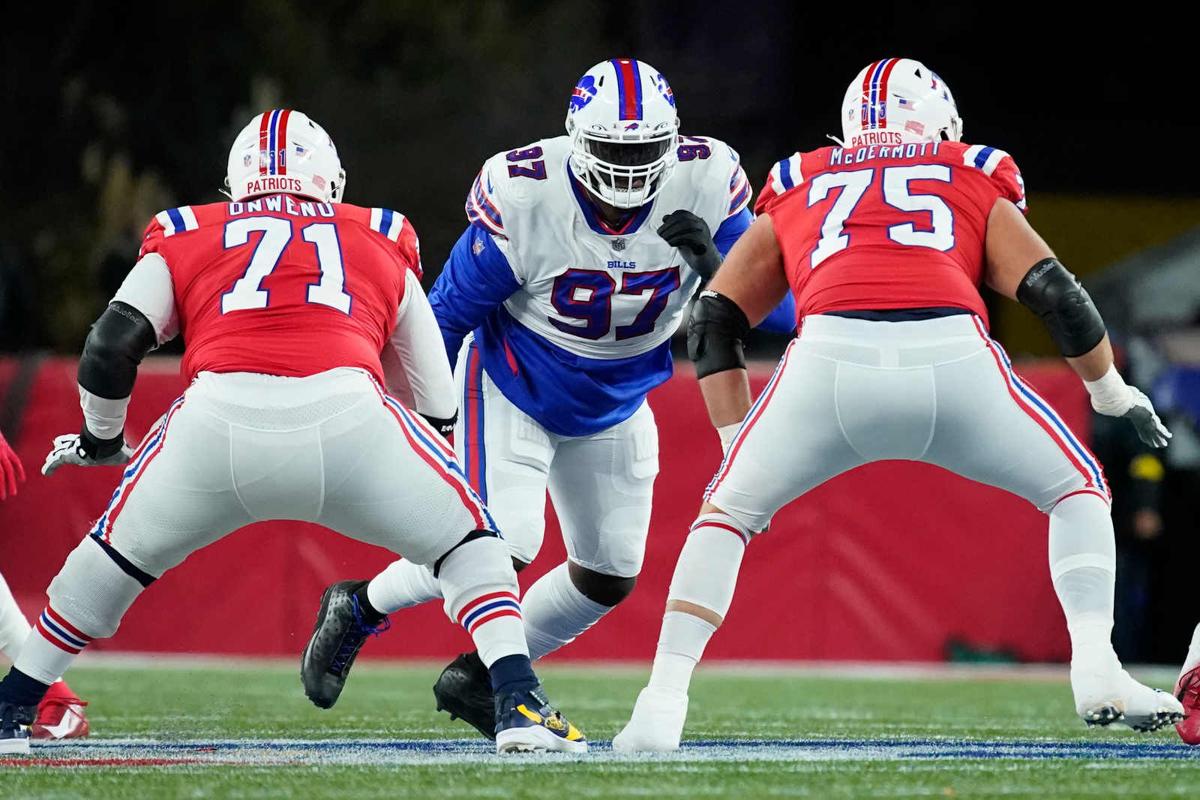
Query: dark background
x=120, y=110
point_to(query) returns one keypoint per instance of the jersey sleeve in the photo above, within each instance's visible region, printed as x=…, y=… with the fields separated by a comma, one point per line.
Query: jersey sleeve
x=476, y=279
x=399, y=229
x=484, y=202
x=739, y=187
x=784, y=176
x=1000, y=167
x=414, y=360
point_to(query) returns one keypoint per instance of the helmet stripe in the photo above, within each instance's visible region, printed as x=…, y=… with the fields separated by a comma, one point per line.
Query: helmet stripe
x=263, y=140
x=874, y=95
x=866, y=90
x=282, y=147
x=883, y=91
x=629, y=88
x=271, y=142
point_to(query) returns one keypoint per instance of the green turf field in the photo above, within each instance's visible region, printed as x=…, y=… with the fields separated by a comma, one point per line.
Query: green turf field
x=245, y=730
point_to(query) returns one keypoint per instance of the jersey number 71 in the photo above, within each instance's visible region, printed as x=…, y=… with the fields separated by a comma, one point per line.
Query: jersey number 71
x=247, y=292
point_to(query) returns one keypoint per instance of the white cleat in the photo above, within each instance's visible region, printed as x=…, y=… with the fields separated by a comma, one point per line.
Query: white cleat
x=656, y=725
x=1112, y=696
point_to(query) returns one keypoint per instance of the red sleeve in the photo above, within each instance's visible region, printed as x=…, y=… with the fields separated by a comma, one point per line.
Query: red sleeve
x=410, y=249
x=1007, y=178
x=153, y=238
x=785, y=176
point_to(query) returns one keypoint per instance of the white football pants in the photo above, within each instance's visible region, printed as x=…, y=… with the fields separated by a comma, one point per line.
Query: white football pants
x=330, y=448
x=601, y=485
x=848, y=392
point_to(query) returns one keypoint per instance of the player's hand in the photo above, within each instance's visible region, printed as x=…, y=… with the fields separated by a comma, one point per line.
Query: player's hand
x=1137, y=408
x=689, y=233
x=12, y=471
x=84, y=450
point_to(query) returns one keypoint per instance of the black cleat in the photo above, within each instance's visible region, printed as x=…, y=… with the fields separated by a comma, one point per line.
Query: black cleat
x=14, y=728
x=464, y=689
x=336, y=639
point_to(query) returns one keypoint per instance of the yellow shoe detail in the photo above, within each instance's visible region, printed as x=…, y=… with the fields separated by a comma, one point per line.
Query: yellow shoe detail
x=531, y=715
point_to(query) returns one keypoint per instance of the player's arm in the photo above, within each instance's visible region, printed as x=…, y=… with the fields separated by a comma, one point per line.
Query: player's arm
x=1021, y=266
x=140, y=317
x=749, y=284
x=476, y=279
x=422, y=373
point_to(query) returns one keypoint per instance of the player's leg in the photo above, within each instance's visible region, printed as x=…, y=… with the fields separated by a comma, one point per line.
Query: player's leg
x=13, y=625
x=176, y=495
x=506, y=457
x=411, y=496
x=60, y=714
x=602, y=488
x=1187, y=690
x=992, y=427
x=790, y=443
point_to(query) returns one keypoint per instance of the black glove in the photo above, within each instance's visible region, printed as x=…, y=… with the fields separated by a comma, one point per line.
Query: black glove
x=691, y=235
x=443, y=426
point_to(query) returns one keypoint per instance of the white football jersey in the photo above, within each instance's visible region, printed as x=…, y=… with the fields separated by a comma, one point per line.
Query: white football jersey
x=595, y=291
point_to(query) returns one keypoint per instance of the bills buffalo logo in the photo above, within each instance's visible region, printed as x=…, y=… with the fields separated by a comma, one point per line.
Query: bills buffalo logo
x=584, y=92
x=664, y=89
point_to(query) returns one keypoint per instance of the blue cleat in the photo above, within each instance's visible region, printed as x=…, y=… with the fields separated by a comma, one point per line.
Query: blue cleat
x=527, y=723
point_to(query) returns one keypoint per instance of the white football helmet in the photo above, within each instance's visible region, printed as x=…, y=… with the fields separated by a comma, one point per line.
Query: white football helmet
x=899, y=100
x=284, y=151
x=624, y=131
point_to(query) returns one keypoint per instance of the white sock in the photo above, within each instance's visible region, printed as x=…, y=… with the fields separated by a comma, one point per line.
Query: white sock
x=402, y=585
x=706, y=576
x=680, y=646
x=1193, y=656
x=14, y=628
x=1083, y=569
x=480, y=588
x=556, y=612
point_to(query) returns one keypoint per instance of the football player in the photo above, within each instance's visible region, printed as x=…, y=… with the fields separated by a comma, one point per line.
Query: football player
x=558, y=304
x=885, y=241
x=1187, y=689
x=286, y=297
x=60, y=714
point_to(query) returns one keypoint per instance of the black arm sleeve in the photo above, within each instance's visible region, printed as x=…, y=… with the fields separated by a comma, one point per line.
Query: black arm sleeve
x=115, y=346
x=716, y=330
x=1054, y=294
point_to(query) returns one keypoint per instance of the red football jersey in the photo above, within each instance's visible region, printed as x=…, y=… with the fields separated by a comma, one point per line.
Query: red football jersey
x=887, y=227
x=279, y=285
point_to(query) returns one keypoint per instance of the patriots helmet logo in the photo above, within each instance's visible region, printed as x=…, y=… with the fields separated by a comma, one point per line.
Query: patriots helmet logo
x=583, y=94
x=664, y=89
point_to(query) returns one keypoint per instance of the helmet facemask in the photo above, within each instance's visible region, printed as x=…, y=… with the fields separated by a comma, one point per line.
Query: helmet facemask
x=625, y=170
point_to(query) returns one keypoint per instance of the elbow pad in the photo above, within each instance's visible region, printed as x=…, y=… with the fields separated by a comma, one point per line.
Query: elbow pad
x=1054, y=294
x=715, y=333
x=115, y=346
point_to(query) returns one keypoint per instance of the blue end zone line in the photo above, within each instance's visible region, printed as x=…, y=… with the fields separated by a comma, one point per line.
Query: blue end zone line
x=895, y=749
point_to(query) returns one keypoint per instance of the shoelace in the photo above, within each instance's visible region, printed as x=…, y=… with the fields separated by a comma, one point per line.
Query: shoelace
x=351, y=644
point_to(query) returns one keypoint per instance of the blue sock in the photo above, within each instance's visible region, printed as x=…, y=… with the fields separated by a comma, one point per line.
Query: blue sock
x=21, y=690
x=512, y=674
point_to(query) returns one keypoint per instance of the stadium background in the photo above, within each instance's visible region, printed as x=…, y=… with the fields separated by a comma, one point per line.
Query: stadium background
x=892, y=562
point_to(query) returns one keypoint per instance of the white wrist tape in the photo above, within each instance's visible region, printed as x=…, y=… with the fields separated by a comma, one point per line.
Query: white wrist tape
x=1110, y=394
x=105, y=418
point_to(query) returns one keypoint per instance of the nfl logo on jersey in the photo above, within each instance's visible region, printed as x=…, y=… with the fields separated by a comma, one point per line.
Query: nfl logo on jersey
x=618, y=244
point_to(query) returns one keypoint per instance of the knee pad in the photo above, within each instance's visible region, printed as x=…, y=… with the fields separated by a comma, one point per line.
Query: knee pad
x=92, y=590
x=607, y=590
